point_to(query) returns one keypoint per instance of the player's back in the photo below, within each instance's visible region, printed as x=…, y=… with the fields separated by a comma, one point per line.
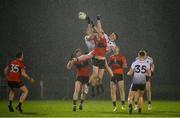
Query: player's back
x=15, y=67
x=149, y=60
x=116, y=63
x=82, y=68
x=140, y=68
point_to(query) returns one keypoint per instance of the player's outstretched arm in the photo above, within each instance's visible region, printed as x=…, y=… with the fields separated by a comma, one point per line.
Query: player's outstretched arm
x=99, y=25
x=24, y=74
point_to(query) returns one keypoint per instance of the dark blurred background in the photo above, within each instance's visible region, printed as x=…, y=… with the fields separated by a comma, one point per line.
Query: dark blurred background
x=47, y=31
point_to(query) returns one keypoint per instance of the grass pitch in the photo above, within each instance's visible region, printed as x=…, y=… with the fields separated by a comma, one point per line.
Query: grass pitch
x=91, y=109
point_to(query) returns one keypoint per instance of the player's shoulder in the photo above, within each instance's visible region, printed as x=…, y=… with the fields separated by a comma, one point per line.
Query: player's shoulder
x=150, y=58
x=135, y=62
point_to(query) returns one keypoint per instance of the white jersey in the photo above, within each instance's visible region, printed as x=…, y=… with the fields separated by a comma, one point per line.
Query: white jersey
x=111, y=45
x=149, y=60
x=90, y=43
x=140, y=71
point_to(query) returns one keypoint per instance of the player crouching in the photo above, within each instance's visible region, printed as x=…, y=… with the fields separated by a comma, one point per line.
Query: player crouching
x=13, y=72
x=82, y=78
x=139, y=69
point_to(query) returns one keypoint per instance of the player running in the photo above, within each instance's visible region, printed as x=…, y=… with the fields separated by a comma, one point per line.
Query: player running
x=117, y=62
x=82, y=78
x=139, y=69
x=13, y=71
x=148, y=82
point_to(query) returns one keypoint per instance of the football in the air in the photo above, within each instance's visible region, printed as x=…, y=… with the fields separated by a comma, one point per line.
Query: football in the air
x=82, y=15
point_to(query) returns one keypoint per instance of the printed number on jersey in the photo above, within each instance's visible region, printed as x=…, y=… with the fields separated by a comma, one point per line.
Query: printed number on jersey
x=14, y=68
x=140, y=69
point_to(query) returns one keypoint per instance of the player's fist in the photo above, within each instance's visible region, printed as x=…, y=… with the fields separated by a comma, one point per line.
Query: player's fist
x=98, y=17
x=74, y=59
x=32, y=80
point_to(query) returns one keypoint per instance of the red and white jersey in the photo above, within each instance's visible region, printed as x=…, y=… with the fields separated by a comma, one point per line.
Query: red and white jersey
x=89, y=42
x=111, y=45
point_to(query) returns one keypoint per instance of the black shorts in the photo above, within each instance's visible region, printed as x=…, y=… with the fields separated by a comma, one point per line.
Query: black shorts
x=99, y=63
x=83, y=80
x=117, y=78
x=15, y=84
x=135, y=87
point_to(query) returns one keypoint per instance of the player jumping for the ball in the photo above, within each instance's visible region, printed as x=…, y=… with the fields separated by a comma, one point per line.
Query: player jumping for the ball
x=91, y=44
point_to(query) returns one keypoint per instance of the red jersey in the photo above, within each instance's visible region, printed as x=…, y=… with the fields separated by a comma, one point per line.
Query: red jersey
x=100, y=47
x=15, y=70
x=116, y=63
x=82, y=68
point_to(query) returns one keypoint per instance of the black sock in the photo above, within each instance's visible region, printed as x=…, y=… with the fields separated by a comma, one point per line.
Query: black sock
x=10, y=103
x=97, y=88
x=74, y=102
x=114, y=103
x=92, y=89
x=139, y=110
x=123, y=102
x=81, y=102
x=130, y=105
x=102, y=88
x=20, y=104
x=149, y=102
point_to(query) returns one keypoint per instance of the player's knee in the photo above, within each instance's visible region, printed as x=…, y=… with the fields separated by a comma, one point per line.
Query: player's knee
x=26, y=91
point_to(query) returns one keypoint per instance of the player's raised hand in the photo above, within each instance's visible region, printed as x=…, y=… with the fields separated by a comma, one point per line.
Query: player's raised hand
x=98, y=17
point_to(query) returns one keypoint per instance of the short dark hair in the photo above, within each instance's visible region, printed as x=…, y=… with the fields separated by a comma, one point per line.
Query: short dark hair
x=19, y=54
x=142, y=53
x=117, y=36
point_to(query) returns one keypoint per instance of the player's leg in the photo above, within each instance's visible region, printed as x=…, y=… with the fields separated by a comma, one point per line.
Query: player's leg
x=24, y=93
x=101, y=85
x=113, y=95
x=140, y=100
x=132, y=93
x=84, y=92
x=148, y=91
x=98, y=86
x=108, y=69
x=76, y=93
x=11, y=97
x=122, y=93
x=93, y=79
x=135, y=102
x=100, y=76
